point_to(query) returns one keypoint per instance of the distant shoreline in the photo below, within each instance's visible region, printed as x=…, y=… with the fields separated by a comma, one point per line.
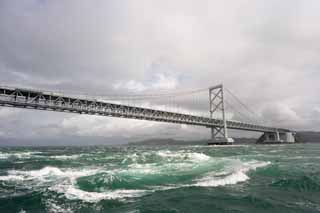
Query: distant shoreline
x=302, y=137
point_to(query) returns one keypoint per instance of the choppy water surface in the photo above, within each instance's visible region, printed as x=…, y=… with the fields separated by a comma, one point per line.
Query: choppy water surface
x=245, y=178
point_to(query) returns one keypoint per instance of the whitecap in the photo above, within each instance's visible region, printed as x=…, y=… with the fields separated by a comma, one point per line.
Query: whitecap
x=197, y=157
x=237, y=173
x=142, y=169
x=234, y=172
x=53, y=207
x=20, y=155
x=66, y=157
x=233, y=178
x=47, y=174
x=183, y=155
x=73, y=193
x=64, y=182
x=12, y=178
x=227, y=171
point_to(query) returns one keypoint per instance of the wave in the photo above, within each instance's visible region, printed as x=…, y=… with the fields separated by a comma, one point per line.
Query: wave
x=164, y=155
x=64, y=181
x=238, y=174
x=154, y=177
x=193, y=156
x=67, y=157
x=19, y=155
x=165, y=170
x=28, y=155
x=53, y=207
x=48, y=173
x=73, y=193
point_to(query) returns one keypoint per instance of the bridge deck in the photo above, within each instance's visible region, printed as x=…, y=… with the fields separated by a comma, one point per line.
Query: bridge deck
x=51, y=101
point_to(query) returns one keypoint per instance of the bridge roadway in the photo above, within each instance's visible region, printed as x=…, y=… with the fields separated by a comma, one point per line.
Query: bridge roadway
x=53, y=101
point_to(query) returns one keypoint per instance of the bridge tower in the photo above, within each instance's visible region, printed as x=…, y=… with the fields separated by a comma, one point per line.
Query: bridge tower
x=219, y=134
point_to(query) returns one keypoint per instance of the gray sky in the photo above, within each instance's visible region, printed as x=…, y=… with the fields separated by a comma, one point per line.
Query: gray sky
x=267, y=52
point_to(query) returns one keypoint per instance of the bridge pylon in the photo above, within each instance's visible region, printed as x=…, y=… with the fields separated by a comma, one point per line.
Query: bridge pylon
x=219, y=133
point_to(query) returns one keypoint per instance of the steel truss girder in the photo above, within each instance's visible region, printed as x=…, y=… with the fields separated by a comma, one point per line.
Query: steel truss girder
x=50, y=101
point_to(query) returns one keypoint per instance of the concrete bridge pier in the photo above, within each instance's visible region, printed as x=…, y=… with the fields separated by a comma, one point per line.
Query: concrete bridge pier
x=219, y=136
x=276, y=138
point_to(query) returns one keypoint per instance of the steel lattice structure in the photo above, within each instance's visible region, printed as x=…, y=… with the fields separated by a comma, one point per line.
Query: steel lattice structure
x=216, y=104
x=51, y=101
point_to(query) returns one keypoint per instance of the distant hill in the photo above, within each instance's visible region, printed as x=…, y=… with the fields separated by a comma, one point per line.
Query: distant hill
x=308, y=137
x=301, y=137
x=169, y=141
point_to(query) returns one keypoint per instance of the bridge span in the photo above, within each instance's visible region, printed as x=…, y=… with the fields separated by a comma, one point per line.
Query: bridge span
x=53, y=101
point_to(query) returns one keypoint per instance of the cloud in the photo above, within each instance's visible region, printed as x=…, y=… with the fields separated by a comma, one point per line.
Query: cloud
x=130, y=85
x=281, y=114
x=265, y=51
x=160, y=82
x=165, y=82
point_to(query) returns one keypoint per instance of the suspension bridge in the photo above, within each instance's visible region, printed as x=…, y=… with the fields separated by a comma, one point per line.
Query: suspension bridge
x=153, y=107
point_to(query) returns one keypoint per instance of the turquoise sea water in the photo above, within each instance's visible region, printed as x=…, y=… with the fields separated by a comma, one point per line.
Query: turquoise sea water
x=239, y=178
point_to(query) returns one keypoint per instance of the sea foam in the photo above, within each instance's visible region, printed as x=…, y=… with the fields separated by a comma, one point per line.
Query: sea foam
x=236, y=174
x=197, y=169
x=19, y=155
x=46, y=174
x=73, y=193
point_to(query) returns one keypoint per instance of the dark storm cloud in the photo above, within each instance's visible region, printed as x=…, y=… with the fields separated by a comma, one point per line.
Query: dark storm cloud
x=265, y=51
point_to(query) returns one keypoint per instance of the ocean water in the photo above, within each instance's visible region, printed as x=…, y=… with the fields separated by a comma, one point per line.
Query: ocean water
x=239, y=178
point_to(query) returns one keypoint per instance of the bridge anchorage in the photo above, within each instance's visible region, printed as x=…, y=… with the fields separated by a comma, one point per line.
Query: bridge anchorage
x=58, y=102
